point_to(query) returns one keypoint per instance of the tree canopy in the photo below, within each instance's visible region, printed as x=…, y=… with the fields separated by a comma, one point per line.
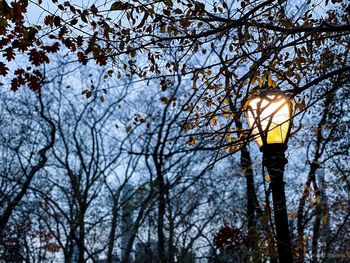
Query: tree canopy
x=226, y=49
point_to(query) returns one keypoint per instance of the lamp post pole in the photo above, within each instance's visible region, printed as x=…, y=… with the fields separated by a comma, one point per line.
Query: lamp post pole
x=274, y=160
x=269, y=115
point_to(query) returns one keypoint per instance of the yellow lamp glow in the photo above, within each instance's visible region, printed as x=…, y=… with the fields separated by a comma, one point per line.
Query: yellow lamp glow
x=269, y=117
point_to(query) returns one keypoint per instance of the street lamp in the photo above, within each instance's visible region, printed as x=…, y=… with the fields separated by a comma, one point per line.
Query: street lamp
x=269, y=116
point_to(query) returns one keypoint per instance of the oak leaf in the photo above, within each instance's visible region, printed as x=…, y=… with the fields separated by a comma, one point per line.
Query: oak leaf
x=38, y=57
x=9, y=54
x=3, y=69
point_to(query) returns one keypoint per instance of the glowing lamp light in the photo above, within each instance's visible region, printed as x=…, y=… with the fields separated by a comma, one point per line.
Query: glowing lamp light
x=269, y=116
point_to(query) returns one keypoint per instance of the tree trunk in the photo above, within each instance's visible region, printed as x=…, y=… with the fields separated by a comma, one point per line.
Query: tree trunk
x=81, y=237
x=112, y=233
x=160, y=219
x=246, y=164
x=171, y=249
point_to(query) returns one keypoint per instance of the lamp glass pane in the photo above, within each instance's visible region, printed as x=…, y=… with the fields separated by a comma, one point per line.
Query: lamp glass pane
x=273, y=113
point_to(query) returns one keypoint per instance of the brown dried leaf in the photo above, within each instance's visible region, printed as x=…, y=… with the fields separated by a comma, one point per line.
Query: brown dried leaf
x=3, y=69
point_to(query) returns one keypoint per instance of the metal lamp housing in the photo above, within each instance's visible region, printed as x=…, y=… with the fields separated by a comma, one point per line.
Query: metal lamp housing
x=269, y=116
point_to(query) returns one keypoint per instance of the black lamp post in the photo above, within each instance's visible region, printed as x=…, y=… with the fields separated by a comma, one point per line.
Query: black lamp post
x=269, y=115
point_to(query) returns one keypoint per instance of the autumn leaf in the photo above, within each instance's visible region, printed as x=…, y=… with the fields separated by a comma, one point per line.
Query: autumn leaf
x=62, y=31
x=301, y=105
x=34, y=83
x=5, y=9
x=168, y=2
x=133, y=53
x=3, y=25
x=120, y=6
x=318, y=199
x=213, y=121
x=57, y=21
x=83, y=18
x=3, y=69
x=271, y=83
x=17, y=14
x=164, y=84
x=325, y=219
x=162, y=29
x=165, y=100
x=52, y=247
x=191, y=140
x=232, y=148
x=87, y=93
x=166, y=12
x=53, y=48
x=293, y=215
x=178, y=11
x=94, y=10
x=82, y=58
x=19, y=71
x=16, y=83
x=286, y=23
x=49, y=20
x=9, y=54
x=101, y=59
x=38, y=57
x=73, y=22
